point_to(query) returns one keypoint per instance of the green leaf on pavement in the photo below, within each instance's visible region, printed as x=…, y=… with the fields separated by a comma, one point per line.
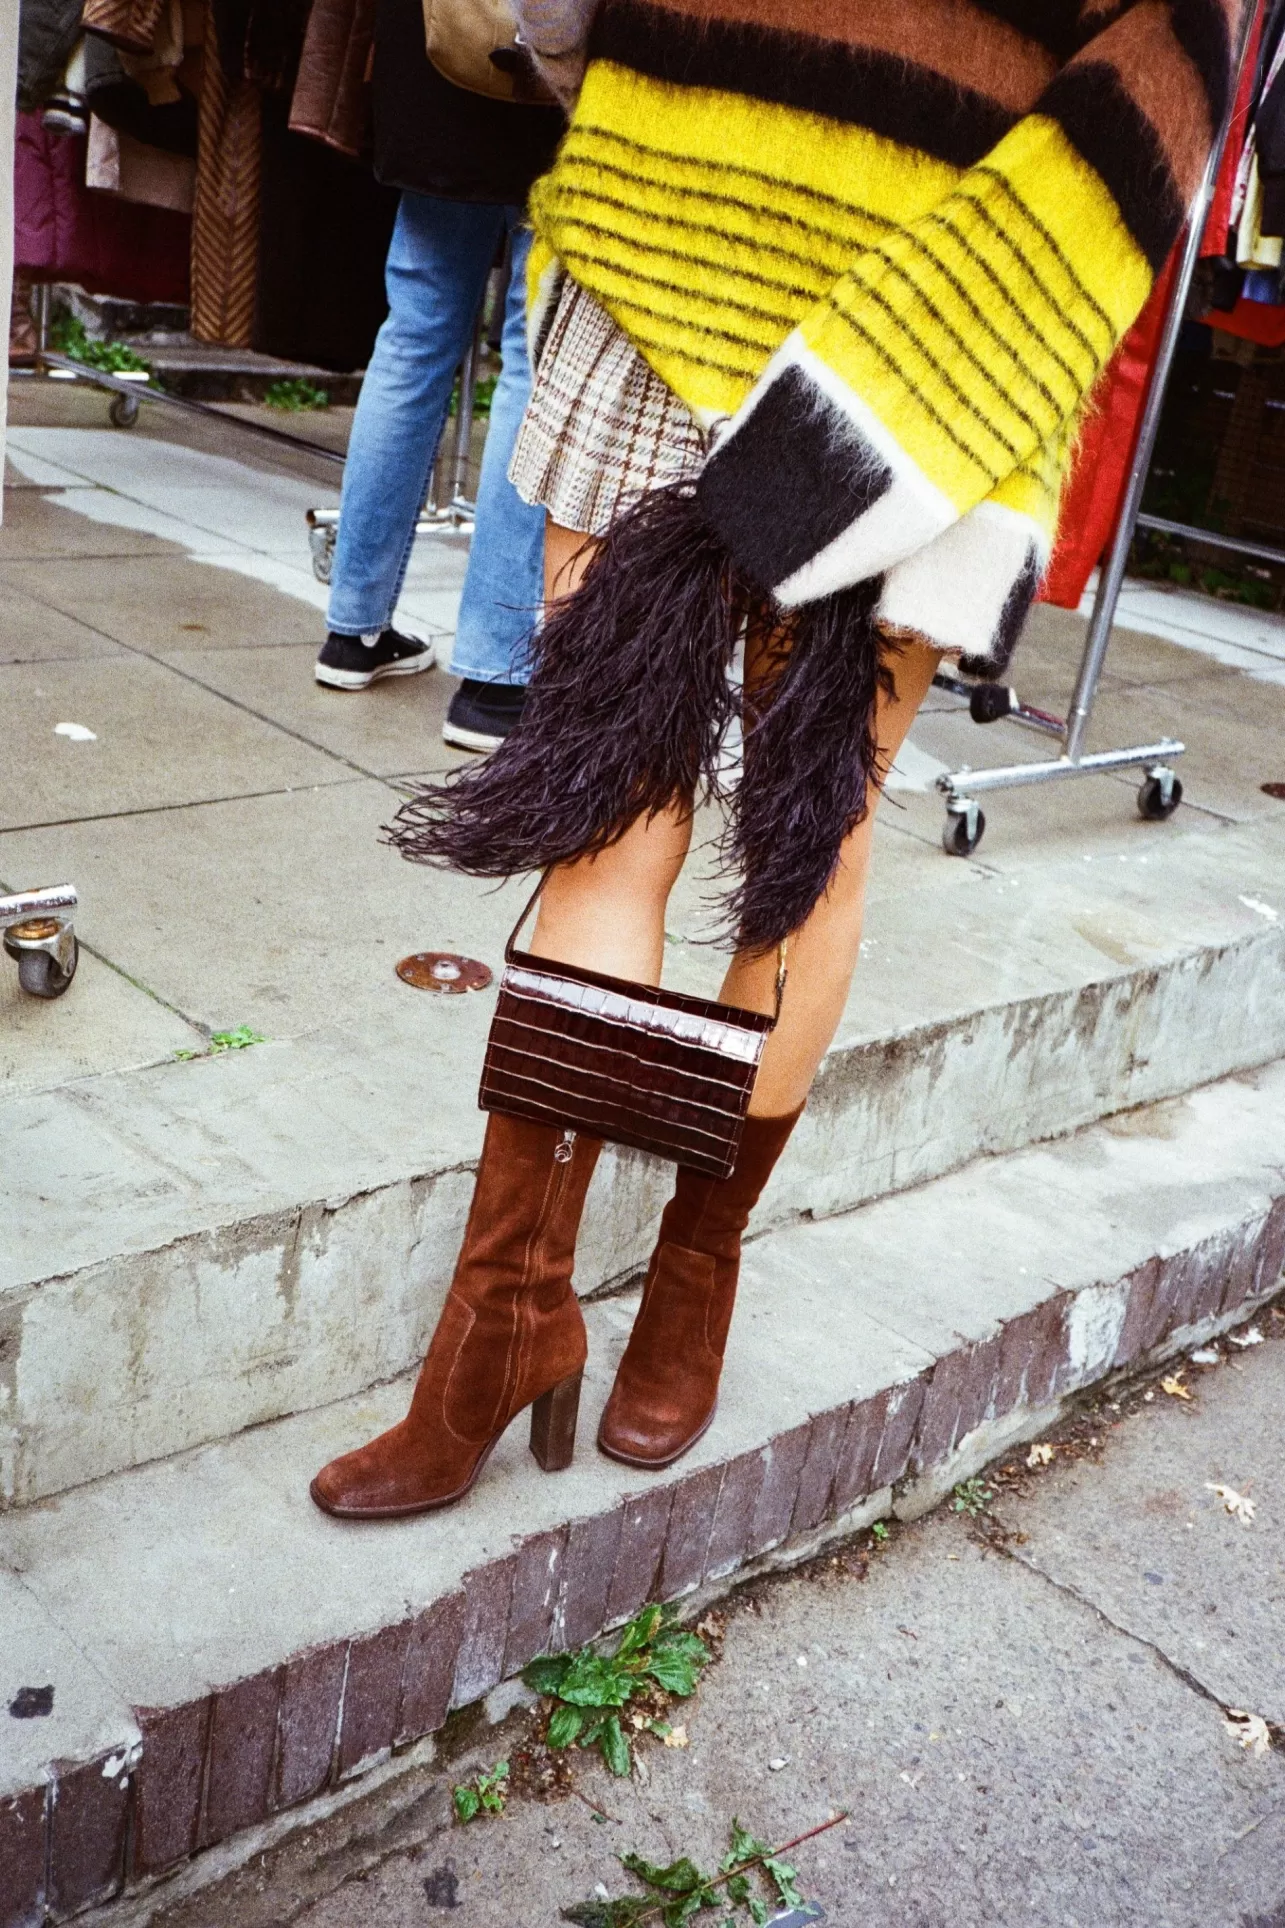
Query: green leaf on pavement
x=615, y=1748
x=487, y=1793
x=651, y=1652
x=546, y=1675
x=785, y=1878
x=564, y=1725
x=680, y=1877
x=642, y=1629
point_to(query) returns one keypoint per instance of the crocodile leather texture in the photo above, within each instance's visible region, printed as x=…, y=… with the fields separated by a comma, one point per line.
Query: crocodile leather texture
x=659, y=1070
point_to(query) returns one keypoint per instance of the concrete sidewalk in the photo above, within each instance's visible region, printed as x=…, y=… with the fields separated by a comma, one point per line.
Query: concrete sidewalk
x=214, y=1652
x=1026, y=1716
x=223, y=830
x=214, y=1269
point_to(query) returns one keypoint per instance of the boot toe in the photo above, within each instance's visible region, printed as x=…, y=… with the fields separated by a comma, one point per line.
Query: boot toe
x=351, y=1486
x=373, y=1482
x=641, y=1438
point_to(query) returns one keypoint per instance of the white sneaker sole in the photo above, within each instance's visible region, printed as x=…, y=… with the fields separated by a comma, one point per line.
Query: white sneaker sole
x=462, y=739
x=360, y=679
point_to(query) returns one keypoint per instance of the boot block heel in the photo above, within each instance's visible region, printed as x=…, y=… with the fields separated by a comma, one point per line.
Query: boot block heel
x=553, y=1424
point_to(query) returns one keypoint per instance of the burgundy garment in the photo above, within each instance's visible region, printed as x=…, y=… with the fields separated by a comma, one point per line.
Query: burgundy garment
x=63, y=231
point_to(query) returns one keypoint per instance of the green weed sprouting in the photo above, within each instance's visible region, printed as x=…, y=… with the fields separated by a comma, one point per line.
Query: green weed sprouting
x=590, y=1690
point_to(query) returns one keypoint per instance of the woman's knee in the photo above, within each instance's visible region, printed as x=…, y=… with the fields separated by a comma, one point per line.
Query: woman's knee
x=642, y=865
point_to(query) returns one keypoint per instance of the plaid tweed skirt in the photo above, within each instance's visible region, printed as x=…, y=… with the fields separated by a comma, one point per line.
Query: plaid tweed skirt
x=601, y=427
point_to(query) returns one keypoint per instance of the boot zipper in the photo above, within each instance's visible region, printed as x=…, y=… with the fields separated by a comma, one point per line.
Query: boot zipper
x=562, y=1151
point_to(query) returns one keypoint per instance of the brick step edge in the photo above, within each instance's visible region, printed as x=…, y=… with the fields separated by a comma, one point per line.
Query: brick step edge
x=198, y=1774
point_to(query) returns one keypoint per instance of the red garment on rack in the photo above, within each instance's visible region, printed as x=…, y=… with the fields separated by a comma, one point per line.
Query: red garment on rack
x=1219, y=222
x=1260, y=321
x=63, y=231
x=1093, y=495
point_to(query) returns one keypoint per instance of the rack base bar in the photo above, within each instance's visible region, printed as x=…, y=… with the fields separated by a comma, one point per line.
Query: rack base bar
x=958, y=785
x=1238, y=546
x=997, y=702
x=137, y=392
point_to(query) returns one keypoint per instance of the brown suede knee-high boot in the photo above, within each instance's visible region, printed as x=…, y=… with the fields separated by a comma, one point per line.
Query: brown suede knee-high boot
x=511, y=1335
x=666, y=1386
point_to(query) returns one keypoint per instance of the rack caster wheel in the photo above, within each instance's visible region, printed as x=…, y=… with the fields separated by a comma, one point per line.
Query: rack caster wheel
x=963, y=830
x=1159, y=795
x=123, y=412
x=40, y=975
x=321, y=541
x=46, y=960
x=988, y=702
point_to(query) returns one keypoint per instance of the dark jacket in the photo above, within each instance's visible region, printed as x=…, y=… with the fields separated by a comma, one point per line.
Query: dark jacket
x=47, y=32
x=440, y=139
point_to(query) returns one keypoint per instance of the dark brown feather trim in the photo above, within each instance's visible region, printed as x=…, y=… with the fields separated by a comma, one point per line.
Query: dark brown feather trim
x=626, y=706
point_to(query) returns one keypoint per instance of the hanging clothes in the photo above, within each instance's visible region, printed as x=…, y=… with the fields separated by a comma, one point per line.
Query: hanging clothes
x=47, y=34
x=64, y=232
x=1094, y=494
x=116, y=163
x=225, y=214
x=1220, y=207
x=332, y=99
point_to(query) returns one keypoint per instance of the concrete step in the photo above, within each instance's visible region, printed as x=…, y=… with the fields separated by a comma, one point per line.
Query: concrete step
x=212, y=1651
x=192, y=1249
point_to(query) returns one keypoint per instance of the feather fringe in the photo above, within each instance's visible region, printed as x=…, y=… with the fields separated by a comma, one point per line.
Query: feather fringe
x=811, y=757
x=626, y=709
x=627, y=703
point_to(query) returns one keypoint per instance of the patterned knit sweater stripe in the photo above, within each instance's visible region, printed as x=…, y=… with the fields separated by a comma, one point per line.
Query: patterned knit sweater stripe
x=895, y=242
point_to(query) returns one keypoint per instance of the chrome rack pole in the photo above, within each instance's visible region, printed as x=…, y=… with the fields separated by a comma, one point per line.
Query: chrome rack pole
x=965, y=821
x=1111, y=578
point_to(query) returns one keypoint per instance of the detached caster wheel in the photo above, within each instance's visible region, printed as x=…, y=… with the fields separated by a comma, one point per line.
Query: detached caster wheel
x=123, y=412
x=1159, y=795
x=40, y=975
x=963, y=830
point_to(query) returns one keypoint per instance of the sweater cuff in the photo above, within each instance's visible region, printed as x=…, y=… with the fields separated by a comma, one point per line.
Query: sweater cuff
x=969, y=591
x=808, y=491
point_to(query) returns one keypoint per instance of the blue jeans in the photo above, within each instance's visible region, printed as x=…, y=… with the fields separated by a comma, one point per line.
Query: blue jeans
x=438, y=260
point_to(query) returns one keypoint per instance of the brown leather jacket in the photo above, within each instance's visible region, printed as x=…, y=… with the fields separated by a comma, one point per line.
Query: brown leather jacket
x=331, y=100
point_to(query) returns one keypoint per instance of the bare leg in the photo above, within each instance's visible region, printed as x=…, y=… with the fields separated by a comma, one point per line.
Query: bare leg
x=823, y=952
x=608, y=912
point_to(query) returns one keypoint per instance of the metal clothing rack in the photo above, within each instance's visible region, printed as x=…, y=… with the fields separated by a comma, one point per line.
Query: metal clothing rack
x=128, y=393
x=1161, y=791
x=459, y=511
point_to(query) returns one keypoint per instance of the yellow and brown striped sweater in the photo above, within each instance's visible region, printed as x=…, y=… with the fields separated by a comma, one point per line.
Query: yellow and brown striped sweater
x=886, y=246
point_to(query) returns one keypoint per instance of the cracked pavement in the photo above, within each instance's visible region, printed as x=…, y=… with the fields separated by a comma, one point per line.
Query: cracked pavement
x=1024, y=1715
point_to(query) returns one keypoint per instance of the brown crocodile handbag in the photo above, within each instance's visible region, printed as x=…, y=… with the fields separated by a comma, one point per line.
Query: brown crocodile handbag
x=655, y=1069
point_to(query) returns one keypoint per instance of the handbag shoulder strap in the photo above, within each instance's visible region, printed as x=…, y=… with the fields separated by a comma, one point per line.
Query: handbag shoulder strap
x=525, y=912
x=782, y=971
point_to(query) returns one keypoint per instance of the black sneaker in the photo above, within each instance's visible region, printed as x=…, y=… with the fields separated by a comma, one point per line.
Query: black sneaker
x=481, y=715
x=352, y=663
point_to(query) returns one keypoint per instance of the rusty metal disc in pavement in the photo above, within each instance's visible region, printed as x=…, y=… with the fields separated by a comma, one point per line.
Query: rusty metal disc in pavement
x=443, y=971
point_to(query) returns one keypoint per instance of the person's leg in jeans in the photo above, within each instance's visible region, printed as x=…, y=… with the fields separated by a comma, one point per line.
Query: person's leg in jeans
x=438, y=260
x=504, y=586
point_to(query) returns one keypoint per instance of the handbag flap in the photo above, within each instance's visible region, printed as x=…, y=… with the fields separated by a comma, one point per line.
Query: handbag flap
x=707, y=1021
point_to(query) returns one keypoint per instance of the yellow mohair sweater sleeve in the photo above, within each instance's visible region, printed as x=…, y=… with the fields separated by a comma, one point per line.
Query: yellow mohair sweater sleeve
x=946, y=358
x=962, y=342
x=974, y=333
